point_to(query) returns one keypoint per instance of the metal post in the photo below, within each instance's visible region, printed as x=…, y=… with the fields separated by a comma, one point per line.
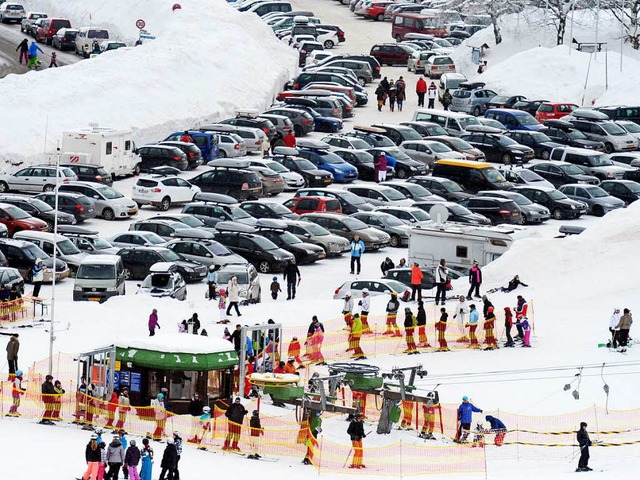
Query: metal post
x=52, y=336
x=595, y=53
x=573, y=10
x=621, y=30
x=546, y=21
x=606, y=68
x=242, y=361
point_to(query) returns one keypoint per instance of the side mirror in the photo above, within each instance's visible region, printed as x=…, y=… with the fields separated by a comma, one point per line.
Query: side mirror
x=139, y=285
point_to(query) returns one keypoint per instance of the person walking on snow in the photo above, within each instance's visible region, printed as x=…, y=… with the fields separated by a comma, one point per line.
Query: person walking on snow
x=292, y=276
x=147, y=460
x=624, y=325
x=275, y=288
x=508, y=323
x=613, y=327
x=392, y=93
x=13, y=347
x=461, y=312
x=92, y=456
x=33, y=55
x=421, y=323
x=446, y=99
x=212, y=281
x=401, y=92
x=115, y=458
x=234, y=295
x=357, y=249
x=153, y=322
x=37, y=273
x=380, y=162
x=421, y=90
x=131, y=460
x=432, y=93
x=24, y=49
x=442, y=274
x=222, y=305
x=235, y=416
x=169, y=460
x=473, y=325
x=416, y=281
x=54, y=60
x=381, y=96
x=584, y=442
x=365, y=305
x=465, y=416
x=409, y=327
x=392, y=312
x=475, y=280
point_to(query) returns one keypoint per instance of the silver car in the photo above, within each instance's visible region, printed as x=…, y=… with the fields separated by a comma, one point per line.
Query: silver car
x=231, y=145
x=428, y=151
x=310, y=232
x=408, y=215
x=531, y=212
x=248, y=281
x=11, y=12
x=109, y=203
x=598, y=200
x=38, y=178
x=207, y=252
x=438, y=65
x=376, y=287
x=396, y=228
x=252, y=137
x=140, y=239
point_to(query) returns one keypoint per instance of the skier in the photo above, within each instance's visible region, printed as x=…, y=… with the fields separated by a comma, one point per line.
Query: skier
x=222, y=306
x=16, y=392
x=13, y=346
x=462, y=310
x=416, y=281
x=513, y=284
x=486, y=303
x=442, y=275
x=465, y=416
x=347, y=309
x=365, y=304
x=584, y=442
x=124, y=405
x=409, y=327
x=33, y=57
x=356, y=434
x=132, y=459
x=147, y=460
x=111, y=409
x=57, y=400
x=37, y=274
x=275, y=288
x=48, y=392
x=115, y=458
x=624, y=325
x=429, y=413
x=92, y=457
x=357, y=249
x=177, y=441
x=354, y=338
x=421, y=322
x=473, y=325
x=521, y=312
x=292, y=276
x=313, y=429
x=526, y=328
x=407, y=415
x=508, y=323
x=489, y=325
x=498, y=428
x=293, y=351
x=441, y=328
x=475, y=280
x=256, y=432
x=421, y=89
x=613, y=328
x=235, y=415
x=392, y=311
x=24, y=49
x=169, y=460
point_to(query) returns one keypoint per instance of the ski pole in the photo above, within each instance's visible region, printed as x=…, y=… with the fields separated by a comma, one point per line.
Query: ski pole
x=347, y=459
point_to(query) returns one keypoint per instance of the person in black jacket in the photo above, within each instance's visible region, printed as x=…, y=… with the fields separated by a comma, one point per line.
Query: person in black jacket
x=48, y=393
x=235, y=338
x=513, y=284
x=169, y=460
x=235, y=415
x=386, y=265
x=421, y=323
x=356, y=433
x=93, y=457
x=292, y=276
x=24, y=51
x=195, y=406
x=486, y=303
x=584, y=442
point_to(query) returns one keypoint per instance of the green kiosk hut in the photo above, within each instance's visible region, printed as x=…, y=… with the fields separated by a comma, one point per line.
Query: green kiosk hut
x=181, y=363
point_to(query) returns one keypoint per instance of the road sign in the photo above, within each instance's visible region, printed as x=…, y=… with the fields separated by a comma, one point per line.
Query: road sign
x=140, y=23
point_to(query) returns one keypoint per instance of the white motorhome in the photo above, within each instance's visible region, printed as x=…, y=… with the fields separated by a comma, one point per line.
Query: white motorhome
x=461, y=244
x=108, y=147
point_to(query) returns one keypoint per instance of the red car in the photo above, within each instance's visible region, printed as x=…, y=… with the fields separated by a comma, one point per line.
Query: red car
x=302, y=205
x=49, y=28
x=554, y=111
x=16, y=220
x=377, y=10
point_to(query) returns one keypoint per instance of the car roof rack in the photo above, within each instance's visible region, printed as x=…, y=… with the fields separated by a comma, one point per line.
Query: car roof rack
x=366, y=129
x=471, y=85
x=286, y=151
x=556, y=123
x=571, y=229
x=270, y=224
x=306, y=102
x=585, y=114
x=74, y=230
x=230, y=163
x=483, y=129
x=214, y=198
x=234, y=227
x=247, y=113
x=312, y=144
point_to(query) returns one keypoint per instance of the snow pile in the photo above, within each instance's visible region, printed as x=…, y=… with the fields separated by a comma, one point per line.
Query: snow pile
x=177, y=343
x=207, y=61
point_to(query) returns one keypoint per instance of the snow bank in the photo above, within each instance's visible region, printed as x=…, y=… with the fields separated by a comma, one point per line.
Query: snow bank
x=177, y=343
x=207, y=61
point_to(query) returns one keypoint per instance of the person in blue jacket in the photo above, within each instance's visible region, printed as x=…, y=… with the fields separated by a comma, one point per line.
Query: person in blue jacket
x=357, y=249
x=498, y=427
x=33, y=54
x=465, y=415
x=391, y=162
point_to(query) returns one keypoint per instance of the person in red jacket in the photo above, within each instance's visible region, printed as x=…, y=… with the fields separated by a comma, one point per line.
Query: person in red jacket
x=421, y=90
x=508, y=323
x=416, y=281
x=111, y=409
x=290, y=140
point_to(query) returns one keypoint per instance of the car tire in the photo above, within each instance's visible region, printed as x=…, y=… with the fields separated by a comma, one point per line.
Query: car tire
x=402, y=173
x=477, y=112
x=608, y=148
x=297, y=131
x=395, y=241
x=108, y=214
x=545, y=154
x=264, y=267
x=165, y=204
x=222, y=154
x=523, y=219
x=507, y=159
x=50, y=225
x=48, y=188
x=398, y=38
x=127, y=274
x=326, y=128
x=598, y=211
x=4, y=187
x=306, y=182
x=558, y=214
x=136, y=170
x=361, y=81
x=379, y=17
x=328, y=44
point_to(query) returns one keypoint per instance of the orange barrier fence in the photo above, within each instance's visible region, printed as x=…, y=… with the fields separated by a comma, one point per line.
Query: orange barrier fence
x=16, y=310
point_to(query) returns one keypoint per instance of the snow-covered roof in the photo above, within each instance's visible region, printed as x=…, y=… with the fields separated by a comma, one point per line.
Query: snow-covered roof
x=177, y=343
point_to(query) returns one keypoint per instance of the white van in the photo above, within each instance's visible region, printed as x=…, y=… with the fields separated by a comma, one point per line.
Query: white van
x=66, y=250
x=99, y=278
x=86, y=36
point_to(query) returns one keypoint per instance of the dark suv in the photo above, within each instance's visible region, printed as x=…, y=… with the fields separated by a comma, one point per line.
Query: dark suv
x=564, y=133
x=561, y=173
x=263, y=253
x=391, y=53
x=76, y=204
x=498, y=210
x=443, y=187
x=239, y=183
x=22, y=256
x=499, y=148
x=560, y=206
x=305, y=253
x=90, y=173
x=312, y=175
x=211, y=213
x=39, y=209
x=254, y=122
x=157, y=155
x=191, y=150
x=398, y=133
x=370, y=59
x=138, y=260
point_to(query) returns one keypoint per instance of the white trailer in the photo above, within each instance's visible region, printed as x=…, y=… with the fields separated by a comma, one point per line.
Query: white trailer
x=107, y=147
x=461, y=244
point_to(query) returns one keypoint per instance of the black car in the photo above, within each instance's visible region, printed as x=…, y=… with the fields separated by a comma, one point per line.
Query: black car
x=376, y=139
x=499, y=148
x=157, y=155
x=560, y=206
x=405, y=166
x=265, y=255
x=238, y=183
x=541, y=143
x=39, y=209
x=403, y=275
x=497, y=210
x=138, y=260
x=66, y=40
x=90, y=173
x=442, y=187
x=566, y=134
x=212, y=213
x=363, y=161
x=80, y=206
x=263, y=124
x=561, y=173
x=398, y=133
x=426, y=129
x=305, y=253
x=10, y=277
x=313, y=177
x=349, y=202
x=626, y=190
x=529, y=106
x=268, y=210
x=504, y=101
x=191, y=150
x=22, y=256
x=457, y=213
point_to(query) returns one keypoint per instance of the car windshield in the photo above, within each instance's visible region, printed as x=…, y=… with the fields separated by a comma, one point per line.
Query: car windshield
x=364, y=157
x=162, y=281
x=600, y=161
x=352, y=198
x=631, y=127
x=613, y=129
x=96, y=272
x=100, y=244
x=67, y=248
x=277, y=167
x=40, y=205
x=398, y=154
x=316, y=230
x=396, y=286
x=540, y=137
x=16, y=213
x=520, y=199
x=597, y=192
x=109, y=193
x=439, y=147
x=633, y=187
x=289, y=238
x=466, y=121
x=458, y=209
x=264, y=244
x=224, y=277
x=333, y=159
x=354, y=223
x=411, y=134
x=454, y=82
x=392, y=221
x=493, y=175
x=392, y=194
x=556, y=195
x=451, y=186
x=169, y=256
x=506, y=141
x=571, y=170
x=359, y=143
x=499, y=99
x=435, y=130
x=417, y=190
x=459, y=144
x=304, y=164
x=576, y=135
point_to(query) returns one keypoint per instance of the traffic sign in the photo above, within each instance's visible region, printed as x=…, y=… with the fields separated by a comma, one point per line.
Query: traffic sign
x=140, y=23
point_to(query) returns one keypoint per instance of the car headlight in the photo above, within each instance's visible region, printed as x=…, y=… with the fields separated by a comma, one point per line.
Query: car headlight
x=77, y=289
x=610, y=174
x=573, y=207
x=189, y=269
x=317, y=177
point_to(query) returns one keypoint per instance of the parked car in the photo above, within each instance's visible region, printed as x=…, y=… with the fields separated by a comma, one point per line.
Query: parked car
x=268, y=210
x=513, y=119
x=457, y=213
x=38, y=209
x=87, y=37
x=529, y=106
x=89, y=173
x=437, y=65
x=599, y=201
x=363, y=162
x=333, y=245
x=164, y=281
x=593, y=163
x=64, y=39
x=380, y=195
x=563, y=132
x=403, y=275
x=560, y=206
x=597, y=126
x=10, y=278
x=190, y=149
x=211, y=211
x=50, y=243
x=300, y=205
x=553, y=111
x=347, y=227
x=626, y=190
x=391, y=53
x=17, y=220
x=530, y=212
x=459, y=145
x=169, y=229
x=319, y=155
x=38, y=178
x=251, y=118
x=140, y=238
x=349, y=202
x=409, y=215
x=312, y=175
x=375, y=287
x=538, y=141
x=405, y=166
x=138, y=260
x=248, y=281
x=428, y=151
x=22, y=256
x=412, y=191
x=471, y=98
x=156, y=155
x=49, y=27
x=304, y=252
x=499, y=148
x=240, y=183
x=398, y=230
x=80, y=206
x=442, y=187
x=524, y=176
x=497, y=210
x=88, y=241
x=426, y=129
x=11, y=12
x=206, y=252
x=163, y=192
x=562, y=173
x=28, y=20
x=108, y=202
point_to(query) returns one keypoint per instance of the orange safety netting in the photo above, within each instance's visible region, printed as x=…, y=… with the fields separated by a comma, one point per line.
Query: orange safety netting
x=16, y=310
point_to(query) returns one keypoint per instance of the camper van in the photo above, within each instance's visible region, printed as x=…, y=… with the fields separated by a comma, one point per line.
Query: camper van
x=108, y=147
x=461, y=244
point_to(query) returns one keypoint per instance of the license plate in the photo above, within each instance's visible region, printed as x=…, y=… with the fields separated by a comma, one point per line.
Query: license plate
x=327, y=180
x=515, y=214
x=133, y=211
x=143, y=190
x=94, y=299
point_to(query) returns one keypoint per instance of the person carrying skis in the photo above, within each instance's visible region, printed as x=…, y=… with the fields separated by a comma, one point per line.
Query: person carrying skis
x=147, y=460
x=354, y=338
x=498, y=428
x=24, y=49
x=347, y=309
x=584, y=442
x=508, y=323
x=392, y=312
x=356, y=434
x=16, y=392
x=33, y=55
x=613, y=327
x=409, y=327
x=365, y=304
x=235, y=416
x=169, y=460
x=462, y=310
x=473, y=325
x=441, y=328
x=421, y=323
x=475, y=280
x=465, y=416
x=256, y=432
x=92, y=457
x=489, y=325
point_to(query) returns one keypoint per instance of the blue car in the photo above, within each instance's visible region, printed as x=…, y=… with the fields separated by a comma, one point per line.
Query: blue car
x=513, y=119
x=318, y=153
x=207, y=142
x=322, y=124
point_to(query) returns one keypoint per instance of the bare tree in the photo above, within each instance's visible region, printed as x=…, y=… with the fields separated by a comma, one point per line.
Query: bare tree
x=494, y=9
x=627, y=12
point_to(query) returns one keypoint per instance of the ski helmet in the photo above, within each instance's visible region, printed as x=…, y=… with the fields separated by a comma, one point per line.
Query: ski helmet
x=206, y=409
x=275, y=279
x=170, y=440
x=465, y=399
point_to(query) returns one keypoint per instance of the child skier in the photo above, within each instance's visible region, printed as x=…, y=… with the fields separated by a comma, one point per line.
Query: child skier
x=508, y=323
x=441, y=327
x=421, y=323
x=429, y=413
x=392, y=312
x=54, y=60
x=294, y=351
x=409, y=327
x=526, y=327
x=354, y=338
x=275, y=288
x=473, y=325
x=489, y=325
x=256, y=432
x=16, y=392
